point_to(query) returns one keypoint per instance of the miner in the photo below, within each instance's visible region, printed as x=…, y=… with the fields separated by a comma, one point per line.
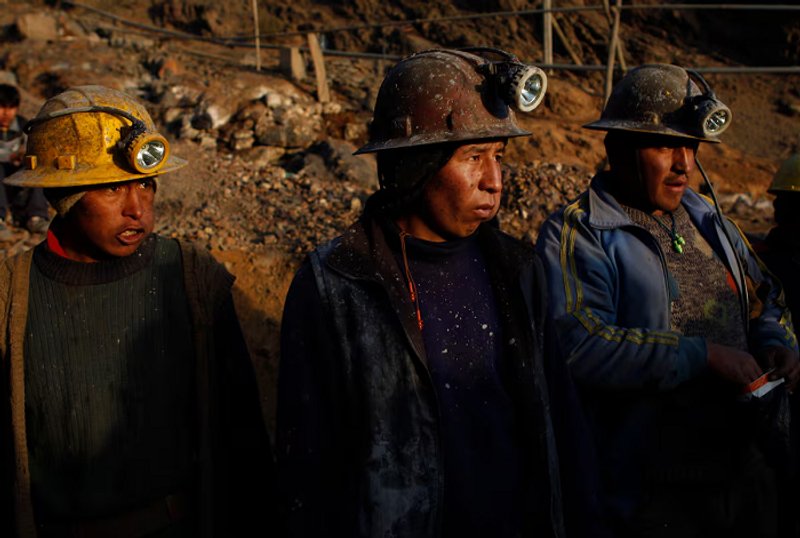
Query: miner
x=412, y=397
x=130, y=406
x=664, y=317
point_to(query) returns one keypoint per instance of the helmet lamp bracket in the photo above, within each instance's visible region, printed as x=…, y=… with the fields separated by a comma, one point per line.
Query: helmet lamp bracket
x=520, y=85
x=711, y=116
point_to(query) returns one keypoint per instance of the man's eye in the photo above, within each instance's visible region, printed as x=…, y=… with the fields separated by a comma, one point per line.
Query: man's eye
x=498, y=157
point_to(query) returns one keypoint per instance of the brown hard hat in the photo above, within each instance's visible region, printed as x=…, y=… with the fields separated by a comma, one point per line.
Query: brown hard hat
x=90, y=135
x=452, y=96
x=664, y=99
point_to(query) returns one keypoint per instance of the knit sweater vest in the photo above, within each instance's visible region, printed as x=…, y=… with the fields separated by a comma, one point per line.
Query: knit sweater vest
x=109, y=377
x=698, y=422
x=704, y=297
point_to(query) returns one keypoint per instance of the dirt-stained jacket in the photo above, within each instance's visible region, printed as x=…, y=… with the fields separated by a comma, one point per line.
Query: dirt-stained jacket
x=358, y=433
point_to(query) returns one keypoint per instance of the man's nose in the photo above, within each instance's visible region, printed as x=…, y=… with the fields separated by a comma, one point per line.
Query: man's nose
x=133, y=202
x=492, y=178
x=683, y=159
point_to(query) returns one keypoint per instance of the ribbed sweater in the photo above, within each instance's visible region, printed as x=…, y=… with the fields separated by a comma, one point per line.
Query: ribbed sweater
x=109, y=378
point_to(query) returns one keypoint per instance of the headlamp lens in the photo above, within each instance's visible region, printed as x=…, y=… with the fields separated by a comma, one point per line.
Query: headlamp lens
x=530, y=90
x=712, y=116
x=526, y=86
x=147, y=152
x=717, y=121
x=151, y=154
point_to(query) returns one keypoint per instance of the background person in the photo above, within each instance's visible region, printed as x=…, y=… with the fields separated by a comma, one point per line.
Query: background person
x=27, y=206
x=781, y=248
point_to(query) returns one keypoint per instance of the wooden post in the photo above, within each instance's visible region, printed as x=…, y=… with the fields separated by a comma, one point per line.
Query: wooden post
x=292, y=64
x=620, y=56
x=257, y=36
x=548, y=31
x=576, y=59
x=323, y=93
x=612, y=51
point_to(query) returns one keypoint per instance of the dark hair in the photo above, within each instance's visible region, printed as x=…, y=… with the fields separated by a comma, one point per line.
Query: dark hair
x=403, y=173
x=9, y=96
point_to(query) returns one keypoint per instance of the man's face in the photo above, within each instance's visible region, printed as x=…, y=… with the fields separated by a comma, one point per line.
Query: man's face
x=110, y=221
x=655, y=171
x=7, y=115
x=462, y=195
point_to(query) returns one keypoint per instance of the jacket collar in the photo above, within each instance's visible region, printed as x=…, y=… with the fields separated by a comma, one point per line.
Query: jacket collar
x=605, y=212
x=363, y=253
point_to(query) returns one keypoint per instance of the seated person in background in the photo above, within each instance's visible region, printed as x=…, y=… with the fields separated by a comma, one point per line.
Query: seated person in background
x=28, y=206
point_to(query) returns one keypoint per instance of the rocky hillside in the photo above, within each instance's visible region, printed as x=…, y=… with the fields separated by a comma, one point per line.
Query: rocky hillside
x=271, y=169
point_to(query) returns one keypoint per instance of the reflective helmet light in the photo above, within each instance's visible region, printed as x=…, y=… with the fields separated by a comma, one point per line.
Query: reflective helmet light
x=148, y=152
x=713, y=117
x=526, y=87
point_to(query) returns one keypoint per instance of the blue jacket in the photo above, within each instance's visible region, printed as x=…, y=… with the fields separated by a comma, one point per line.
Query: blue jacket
x=610, y=301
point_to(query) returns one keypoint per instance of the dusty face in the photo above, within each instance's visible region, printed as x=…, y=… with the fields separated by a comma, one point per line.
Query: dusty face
x=110, y=221
x=654, y=172
x=7, y=115
x=665, y=174
x=464, y=193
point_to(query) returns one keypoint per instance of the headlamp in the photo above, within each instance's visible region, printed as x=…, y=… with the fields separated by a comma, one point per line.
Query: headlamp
x=524, y=86
x=711, y=115
x=145, y=151
x=520, y=85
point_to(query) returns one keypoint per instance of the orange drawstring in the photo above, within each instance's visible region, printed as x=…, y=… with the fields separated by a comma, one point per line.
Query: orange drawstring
x=412, y=288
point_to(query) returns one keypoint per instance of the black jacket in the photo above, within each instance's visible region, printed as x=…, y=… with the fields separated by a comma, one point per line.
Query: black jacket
x=358, y=429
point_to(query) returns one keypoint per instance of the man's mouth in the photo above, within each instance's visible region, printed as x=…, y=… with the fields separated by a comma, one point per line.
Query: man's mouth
x=485, y=211
x=676, y=184
x=131, y=236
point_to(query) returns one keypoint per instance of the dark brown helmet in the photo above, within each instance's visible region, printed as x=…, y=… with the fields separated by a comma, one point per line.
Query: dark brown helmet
x=664, y=99
x=441, y=96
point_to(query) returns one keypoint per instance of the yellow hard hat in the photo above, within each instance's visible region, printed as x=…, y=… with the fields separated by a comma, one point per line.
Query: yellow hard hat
x=90, y=135
x=787, y=178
